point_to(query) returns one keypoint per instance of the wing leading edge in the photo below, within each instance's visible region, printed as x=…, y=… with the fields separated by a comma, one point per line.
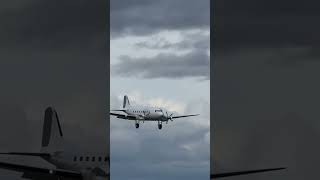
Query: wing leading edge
x=228, y=174
x=175, y=117
x=43, y=155
x=122, y=116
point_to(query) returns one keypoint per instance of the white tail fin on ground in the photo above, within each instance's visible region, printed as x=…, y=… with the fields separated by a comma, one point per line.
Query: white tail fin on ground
x=126, y=102
x=52, y=137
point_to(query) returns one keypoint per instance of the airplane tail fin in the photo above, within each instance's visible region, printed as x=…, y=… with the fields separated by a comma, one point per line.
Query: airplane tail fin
x=52, y=136
x=126, y=102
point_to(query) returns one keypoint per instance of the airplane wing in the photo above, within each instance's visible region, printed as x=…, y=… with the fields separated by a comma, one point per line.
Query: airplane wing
x=175, y=117
x=221, y=175
x=122, y=110
x=122, y=116
x=40, y=170
x=27, y=154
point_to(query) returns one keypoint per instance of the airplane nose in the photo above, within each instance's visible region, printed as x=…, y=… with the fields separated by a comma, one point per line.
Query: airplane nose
x=164, y=114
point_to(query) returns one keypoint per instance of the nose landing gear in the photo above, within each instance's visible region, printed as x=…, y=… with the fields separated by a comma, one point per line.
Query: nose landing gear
x=137, y=124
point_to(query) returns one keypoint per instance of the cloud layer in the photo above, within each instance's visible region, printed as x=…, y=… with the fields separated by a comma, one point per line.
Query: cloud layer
x=144, y=17
x=195, y=64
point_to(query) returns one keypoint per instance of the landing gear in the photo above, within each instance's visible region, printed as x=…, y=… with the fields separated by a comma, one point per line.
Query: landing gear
x=137, y=124
x=159, y=124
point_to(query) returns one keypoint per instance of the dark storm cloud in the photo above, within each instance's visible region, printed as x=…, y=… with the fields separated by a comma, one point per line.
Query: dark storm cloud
x=53, y=53
x=145, y=17
x=194, y=64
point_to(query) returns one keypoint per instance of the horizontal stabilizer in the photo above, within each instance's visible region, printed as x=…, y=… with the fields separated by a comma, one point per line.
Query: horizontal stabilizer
x=221, y=175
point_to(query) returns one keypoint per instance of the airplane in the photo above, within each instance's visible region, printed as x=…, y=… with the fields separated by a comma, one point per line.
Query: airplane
x=69, y=165
x=145, y=113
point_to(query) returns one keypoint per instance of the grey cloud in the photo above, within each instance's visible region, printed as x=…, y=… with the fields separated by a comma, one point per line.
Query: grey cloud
x=139, y=18
x=195, y=41
x=194, y=64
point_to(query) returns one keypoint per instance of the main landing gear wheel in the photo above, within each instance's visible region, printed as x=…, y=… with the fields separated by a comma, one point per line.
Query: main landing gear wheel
x=160, y=126
x=137, y=125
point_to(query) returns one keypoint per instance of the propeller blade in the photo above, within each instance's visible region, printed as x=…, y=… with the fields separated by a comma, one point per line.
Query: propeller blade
x=169, y=117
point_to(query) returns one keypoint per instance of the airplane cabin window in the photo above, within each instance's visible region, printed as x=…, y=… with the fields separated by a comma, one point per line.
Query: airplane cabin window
x=93, y=159
x=105, y=159
x=75, y=158
x=87, y=158
x=100, y=158
x=81, y=158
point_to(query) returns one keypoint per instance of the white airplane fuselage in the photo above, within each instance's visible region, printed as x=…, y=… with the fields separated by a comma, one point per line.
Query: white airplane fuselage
x=85, y=163
x=147, y=113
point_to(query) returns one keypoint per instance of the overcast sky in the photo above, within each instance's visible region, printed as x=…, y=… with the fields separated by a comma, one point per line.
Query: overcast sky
x=53, y=53
x=266, y=90
x=160, y=56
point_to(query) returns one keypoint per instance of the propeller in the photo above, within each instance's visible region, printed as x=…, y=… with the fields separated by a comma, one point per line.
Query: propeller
x=169, y=117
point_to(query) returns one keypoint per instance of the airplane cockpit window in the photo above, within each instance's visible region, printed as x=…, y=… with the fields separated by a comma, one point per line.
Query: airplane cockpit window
x=81, y=158
x=93, y=159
